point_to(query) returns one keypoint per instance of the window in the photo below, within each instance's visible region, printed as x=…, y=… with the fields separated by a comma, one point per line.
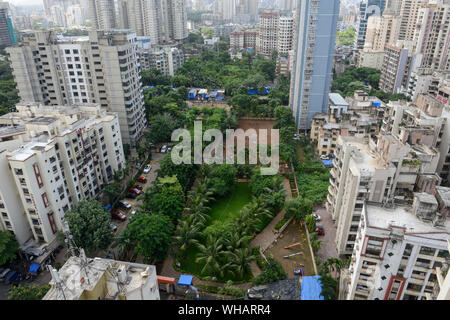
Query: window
x=45, y=199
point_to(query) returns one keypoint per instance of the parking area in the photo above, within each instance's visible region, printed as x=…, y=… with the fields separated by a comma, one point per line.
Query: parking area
x=328, y=246
x=151, y=176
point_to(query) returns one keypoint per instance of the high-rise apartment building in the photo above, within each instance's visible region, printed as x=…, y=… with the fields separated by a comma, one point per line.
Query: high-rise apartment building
x=432, y=36
x=408, y=14
x=316, y=23
x=7, y=35
x=395, y=69
x=367, y=8
x=53, y=157
x=162, y=21
x=275, y=33
x=397, y=248
x=102, y=68
x=103, y=14
x=225, y=8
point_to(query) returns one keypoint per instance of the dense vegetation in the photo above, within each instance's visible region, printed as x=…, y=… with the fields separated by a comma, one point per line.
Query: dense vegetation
x=346, y=37
x=355, y=78
x=32, y=292
x=8, y=247
x=9, y=95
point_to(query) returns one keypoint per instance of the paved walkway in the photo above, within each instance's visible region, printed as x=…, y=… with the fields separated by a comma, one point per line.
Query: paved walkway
x=328, y=246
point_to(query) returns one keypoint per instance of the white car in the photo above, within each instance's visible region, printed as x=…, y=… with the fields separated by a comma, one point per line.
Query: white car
x=318, y=218
x=147, y=169
x=164, y=149
x=323, y=157
x=125, y=204
x=113, y=227
x=133, y=212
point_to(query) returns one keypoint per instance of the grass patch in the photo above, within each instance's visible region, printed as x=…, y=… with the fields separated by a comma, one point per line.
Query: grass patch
x=222, y=211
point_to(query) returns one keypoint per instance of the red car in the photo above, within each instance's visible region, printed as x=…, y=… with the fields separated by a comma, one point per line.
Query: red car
x=320, y=231
x=141, y=179
x=118, y=215
x=135, y=191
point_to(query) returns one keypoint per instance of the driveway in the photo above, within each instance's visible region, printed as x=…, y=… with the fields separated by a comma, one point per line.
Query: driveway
x=328, y=247
x=151, y=177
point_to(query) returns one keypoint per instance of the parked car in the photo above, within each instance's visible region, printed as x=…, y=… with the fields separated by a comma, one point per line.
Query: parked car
x=138, y=187
x=141, y=179
x=131, y=195
x=113, y=227
x=138, y=165
x=133, y=212
x=164, y=149
x=318, y=218
x=118, y=215
x=323, y=157
x=135, y=191
x=320, y=230
x=3, y=274
x=147, y=169
x=125, y=204
x=11, y=277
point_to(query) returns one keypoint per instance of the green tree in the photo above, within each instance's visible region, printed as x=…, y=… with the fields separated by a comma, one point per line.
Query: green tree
x=272, y=271
x=311, y=222
x=151, y=234
x=209, y=256
x=184, y=172
x=240, y=262
x=166, y=197
x=90, y=225
x=186, y=235
x=112, y=191
x=32, y=292
x=8, y=247
x=161, y=128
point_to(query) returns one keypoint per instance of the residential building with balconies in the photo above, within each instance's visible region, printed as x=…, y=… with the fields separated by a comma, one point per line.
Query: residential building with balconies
x=52, y=157
x=397, y=251
x=102, y=68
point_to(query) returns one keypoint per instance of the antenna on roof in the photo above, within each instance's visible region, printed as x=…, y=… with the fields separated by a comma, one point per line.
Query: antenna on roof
x=58, y=282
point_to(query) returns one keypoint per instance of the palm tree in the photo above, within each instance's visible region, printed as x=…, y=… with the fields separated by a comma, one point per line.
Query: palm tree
x=240, y=262
x=310, y=222
x=275, y=194
x=210, y=255
x=123, y=243
x=237, y=241
x=185, y=235
x=315, y=242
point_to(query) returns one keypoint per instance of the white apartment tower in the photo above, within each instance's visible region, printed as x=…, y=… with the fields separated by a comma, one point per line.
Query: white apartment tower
x=102, y=68
x=162, y=21
x=52, y=157
x=398, y=248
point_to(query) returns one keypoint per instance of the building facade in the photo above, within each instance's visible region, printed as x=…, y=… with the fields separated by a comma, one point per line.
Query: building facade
x=102, y=68
x=52, y=157
x=316, y=23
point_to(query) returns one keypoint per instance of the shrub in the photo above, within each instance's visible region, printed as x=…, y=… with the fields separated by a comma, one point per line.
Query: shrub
x=271, y=271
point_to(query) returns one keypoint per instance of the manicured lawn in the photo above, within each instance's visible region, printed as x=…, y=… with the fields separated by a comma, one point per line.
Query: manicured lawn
x=222, y=211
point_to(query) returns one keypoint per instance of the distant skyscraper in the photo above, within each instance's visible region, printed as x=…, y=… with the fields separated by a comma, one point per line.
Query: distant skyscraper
x=367, y=8
x=7, y=35
x=103, y=14
x=316, y=23
x=162, y=21
x=226, y=8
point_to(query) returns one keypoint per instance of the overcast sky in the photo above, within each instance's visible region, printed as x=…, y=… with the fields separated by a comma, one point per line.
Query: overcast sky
x=25, y=2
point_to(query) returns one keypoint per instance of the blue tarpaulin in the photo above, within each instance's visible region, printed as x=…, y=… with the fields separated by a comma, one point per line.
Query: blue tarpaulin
x=185, y=280
x=327, y=163
x=108, y=207
x=34, y=267
x=376, y=103
x=252, y=92
x=312, y=288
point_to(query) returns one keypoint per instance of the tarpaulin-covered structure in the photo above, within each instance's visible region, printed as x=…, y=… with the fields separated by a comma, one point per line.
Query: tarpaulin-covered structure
x=312, y=288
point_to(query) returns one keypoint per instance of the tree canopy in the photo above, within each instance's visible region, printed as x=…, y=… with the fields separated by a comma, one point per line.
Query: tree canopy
x=8, y=247
x=90, y=225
